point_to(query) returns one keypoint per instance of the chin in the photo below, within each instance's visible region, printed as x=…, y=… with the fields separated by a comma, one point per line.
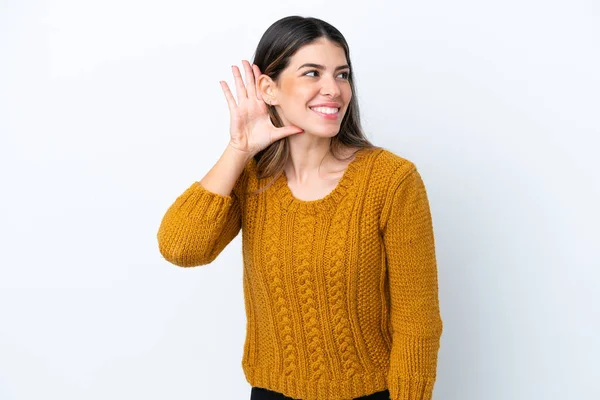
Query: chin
x=322, y=132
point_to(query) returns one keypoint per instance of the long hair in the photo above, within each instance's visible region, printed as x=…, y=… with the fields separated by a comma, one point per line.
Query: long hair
x=277, y=45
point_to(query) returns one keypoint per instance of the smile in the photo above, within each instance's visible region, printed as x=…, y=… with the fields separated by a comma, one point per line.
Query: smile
x=326, y=112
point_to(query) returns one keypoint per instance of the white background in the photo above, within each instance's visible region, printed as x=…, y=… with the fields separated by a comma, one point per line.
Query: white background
x=109, y=110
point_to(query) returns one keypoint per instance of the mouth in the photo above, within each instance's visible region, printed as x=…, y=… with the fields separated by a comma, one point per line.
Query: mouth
x=326, y=112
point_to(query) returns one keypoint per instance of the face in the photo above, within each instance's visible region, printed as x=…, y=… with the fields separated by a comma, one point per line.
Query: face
x=301, y=88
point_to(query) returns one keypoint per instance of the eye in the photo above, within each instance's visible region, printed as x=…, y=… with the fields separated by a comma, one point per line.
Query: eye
x=346, y=75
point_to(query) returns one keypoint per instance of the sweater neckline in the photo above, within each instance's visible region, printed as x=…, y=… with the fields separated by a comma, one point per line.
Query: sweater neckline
x=327, y=203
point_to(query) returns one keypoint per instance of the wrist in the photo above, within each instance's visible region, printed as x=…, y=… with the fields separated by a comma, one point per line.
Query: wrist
x=243, y=156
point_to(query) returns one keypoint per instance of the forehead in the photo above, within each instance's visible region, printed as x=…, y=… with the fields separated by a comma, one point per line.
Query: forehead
x=322, y=51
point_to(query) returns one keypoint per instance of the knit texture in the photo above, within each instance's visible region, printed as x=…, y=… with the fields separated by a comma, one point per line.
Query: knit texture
x=341, y=293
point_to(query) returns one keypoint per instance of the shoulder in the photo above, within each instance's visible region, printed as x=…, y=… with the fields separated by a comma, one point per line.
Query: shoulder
x=389, y=167
x=390, y=171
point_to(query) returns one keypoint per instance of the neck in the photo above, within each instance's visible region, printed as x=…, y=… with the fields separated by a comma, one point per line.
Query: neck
x=309, y=156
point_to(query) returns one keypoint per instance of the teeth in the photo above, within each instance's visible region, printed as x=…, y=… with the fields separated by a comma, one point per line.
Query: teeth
x=325, y=110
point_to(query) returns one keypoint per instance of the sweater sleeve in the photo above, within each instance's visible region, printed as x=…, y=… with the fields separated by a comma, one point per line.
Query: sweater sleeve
x=412, y=273
x=199, y=225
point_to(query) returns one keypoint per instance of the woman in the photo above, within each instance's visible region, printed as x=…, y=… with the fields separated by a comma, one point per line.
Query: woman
x=340, y=276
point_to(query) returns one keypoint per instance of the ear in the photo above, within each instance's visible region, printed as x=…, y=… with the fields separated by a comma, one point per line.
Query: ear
x=267, y=88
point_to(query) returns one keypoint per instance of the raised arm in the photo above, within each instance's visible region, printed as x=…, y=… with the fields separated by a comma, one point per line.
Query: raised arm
x=207, y=216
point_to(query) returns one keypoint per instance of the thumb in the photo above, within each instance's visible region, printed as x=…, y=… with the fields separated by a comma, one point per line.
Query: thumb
x=282, y=132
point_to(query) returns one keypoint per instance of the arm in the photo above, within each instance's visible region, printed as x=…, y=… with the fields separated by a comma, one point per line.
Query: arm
x=207, y=216
x=412, y=273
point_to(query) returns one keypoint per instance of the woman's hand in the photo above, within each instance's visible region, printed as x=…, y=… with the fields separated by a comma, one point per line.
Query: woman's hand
x=251, y=128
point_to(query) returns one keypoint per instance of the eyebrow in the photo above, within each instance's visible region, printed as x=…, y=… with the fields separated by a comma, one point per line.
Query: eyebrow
x=317, y=66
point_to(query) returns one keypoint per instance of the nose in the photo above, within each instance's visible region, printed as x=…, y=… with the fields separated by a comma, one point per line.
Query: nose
x=330, y=87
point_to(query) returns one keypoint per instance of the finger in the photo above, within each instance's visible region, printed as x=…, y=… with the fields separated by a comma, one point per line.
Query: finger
x=240, y=90
x=250, y=83
x=230, y=100
x=256, y=75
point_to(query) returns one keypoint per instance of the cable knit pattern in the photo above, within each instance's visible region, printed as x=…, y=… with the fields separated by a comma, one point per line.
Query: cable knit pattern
x=336, y=277
x=341, y=292
x=279, y=300
x=304, y=237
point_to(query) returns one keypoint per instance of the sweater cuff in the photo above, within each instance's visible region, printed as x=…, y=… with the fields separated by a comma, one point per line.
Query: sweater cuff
x=413, y=388
x=413, y=364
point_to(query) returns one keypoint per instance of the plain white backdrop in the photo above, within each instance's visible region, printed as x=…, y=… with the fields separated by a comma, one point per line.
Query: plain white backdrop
x=109, y=110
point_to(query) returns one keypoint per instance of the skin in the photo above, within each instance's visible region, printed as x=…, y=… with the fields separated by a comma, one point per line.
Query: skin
x=292, y=94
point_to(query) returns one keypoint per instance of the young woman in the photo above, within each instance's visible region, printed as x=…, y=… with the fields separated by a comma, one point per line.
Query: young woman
x=340, y=276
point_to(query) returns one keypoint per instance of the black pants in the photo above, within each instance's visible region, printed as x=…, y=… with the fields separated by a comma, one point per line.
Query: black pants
x=258, y=393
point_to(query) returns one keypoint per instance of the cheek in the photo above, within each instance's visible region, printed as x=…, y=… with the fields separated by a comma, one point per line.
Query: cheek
x=347, y=92
x=298, y=94
x=303, y=95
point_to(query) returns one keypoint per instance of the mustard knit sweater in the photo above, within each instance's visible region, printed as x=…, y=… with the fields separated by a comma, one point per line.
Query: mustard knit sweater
x=341, y=293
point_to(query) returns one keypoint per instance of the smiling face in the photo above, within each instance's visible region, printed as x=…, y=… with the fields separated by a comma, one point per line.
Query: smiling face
x=317, y=74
